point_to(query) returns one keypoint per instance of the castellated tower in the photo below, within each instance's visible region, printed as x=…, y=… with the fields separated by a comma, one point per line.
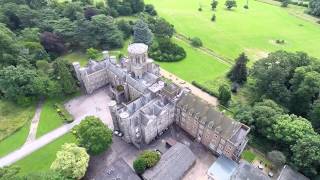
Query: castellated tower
x=138, y=57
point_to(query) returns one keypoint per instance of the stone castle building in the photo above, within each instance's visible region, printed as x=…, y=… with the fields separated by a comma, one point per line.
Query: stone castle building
x=144, y=105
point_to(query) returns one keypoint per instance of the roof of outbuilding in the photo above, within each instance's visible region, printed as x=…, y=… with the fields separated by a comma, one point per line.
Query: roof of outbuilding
x=246, y=171
x=287, y=173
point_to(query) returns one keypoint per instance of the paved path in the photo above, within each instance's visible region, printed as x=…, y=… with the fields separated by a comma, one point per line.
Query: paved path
x=196, y=91
x=37, y=144
x=34, y=123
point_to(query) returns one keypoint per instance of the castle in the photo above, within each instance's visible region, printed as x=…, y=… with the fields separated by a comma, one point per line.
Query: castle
x=145, y=105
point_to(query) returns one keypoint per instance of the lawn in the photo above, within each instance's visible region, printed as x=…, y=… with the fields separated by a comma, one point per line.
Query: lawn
x=253, y=31
x=197, y=65
x=248, y=156
x=42, y=159
x=14, y=125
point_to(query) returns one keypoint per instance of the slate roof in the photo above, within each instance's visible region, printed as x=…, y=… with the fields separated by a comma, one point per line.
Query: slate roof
x=94, y=66
x=246, y=171
x=137, y=48
x=173, y=164
x=287, y=173
x=209, y=116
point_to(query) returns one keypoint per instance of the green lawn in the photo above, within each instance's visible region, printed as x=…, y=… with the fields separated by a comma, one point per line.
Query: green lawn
x=42, y=159
x=248, y=155
x=252, y=31
x=196, y=66
x=14, y=125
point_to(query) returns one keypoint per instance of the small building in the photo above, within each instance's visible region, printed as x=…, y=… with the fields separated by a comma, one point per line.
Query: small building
x=222, y=169
x=118, y=170
x=173, y=165
x=246, y=171
x=287, y=173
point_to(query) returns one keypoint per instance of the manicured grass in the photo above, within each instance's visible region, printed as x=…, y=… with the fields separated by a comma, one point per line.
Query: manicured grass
x=196, y=66
x=248, y=155
x=42, y=159
x=252, y=31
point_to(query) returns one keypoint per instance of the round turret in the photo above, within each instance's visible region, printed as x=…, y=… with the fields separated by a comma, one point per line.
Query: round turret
x=138, y=56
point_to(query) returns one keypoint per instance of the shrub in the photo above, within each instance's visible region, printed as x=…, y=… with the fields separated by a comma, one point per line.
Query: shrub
x=139, y=165
x=230, y=4
x=196, y=42
x=149, y=8
x=246, y=6
x=163, y=49
x=200, y=9
x=63, y=113
x=213, y=18
x=150, y=157
x=224, y=95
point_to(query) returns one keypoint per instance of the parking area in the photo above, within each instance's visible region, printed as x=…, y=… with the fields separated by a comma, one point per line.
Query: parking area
x=95, y=104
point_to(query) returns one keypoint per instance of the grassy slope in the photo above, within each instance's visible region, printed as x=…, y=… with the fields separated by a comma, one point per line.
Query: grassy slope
x=197, y=66
x=14, y=125
x=42, y=159
x=241, y=30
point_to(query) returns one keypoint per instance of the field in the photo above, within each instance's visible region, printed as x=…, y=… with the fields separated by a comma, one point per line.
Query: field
x=42, y=159
x=253, y=31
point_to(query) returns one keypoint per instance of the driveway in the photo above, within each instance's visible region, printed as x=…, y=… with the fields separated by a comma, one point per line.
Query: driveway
x=95, y=104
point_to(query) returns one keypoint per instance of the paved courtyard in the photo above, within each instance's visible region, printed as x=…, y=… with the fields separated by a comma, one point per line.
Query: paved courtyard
x=120, y=149
x=95, y=104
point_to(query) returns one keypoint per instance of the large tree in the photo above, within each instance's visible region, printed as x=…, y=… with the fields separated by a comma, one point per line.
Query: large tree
x=224, y=95
x=93, y=135
x=71, y=161
x=142, y=33
x=230, y=4
x=277, y=158
x=64, y=77
x=161, y=28
x=52, y=43
x=9, y=49
x=239, y=71
x=306, y=154
x=73, y=10
x=137, y=5
x=314, y=7
x=314, y=115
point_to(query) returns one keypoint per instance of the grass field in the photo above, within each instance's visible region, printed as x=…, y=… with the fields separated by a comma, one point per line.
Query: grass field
x=42, y=159
x=253, y=31
x=197, y=65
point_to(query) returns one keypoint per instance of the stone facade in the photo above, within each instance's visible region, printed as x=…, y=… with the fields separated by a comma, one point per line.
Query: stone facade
x=144, y=106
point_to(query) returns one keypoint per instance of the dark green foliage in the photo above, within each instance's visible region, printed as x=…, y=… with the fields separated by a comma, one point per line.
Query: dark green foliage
x=239, y=71
x=66, y=29
x=142, y=33
x=165, y=50
x=64, y=77
x=224, y=95
x=214, y=4
x=92, y=53
x=9, y=49
x=196, y=42
x=124, y=9
x=149, y=8
x=139, y=165
x=89, y=12
x=93, y=135
x=306, y=155
x=314, y=7
x=277, y=158
x=213, y=18
x=126, y=28
x=160, y=27
x=52, y=43
x=73, y=10
x=137, y=5
x=230, y=4
x=314, y=115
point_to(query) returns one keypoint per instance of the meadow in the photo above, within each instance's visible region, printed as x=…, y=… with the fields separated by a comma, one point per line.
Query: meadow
x=252, y=30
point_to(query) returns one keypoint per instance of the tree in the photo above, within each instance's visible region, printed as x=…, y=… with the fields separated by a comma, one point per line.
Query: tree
x=73, y=10
x=239, y=71
x=101, y=32
x=150, y=157
x=314, y=7
x=89, y=12
x=161, y=28
x=306, y=155
x=66, y=29
x=93, y=135
x=230, y=4
x=314, y=115
x=124, y=9
x=52, y=43
x=125, y=27
x=71, y=161
x=139, y=165
x=196, y=42
x=137, y=5
x=277, y=158
x=149, y=8
x=285, y=3
x=64, y=76
x=213, y=18
x=290, y=128
x=214, y=4
x=92, y=53
x=30, y=35
x=142, y=33
x=224, y=95
x=9, y=49
x=9, y=172
x=165, y=50
x=43, y=66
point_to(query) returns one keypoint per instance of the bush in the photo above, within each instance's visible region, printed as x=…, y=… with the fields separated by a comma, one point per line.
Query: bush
x=163, y=49
x=246, y=6
x=149, y=8
x=150, y=157
x=213, y=18
x=196, y=42
x=224, y=95
x=63, y=113
x=139, y=165
x=200, y=9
